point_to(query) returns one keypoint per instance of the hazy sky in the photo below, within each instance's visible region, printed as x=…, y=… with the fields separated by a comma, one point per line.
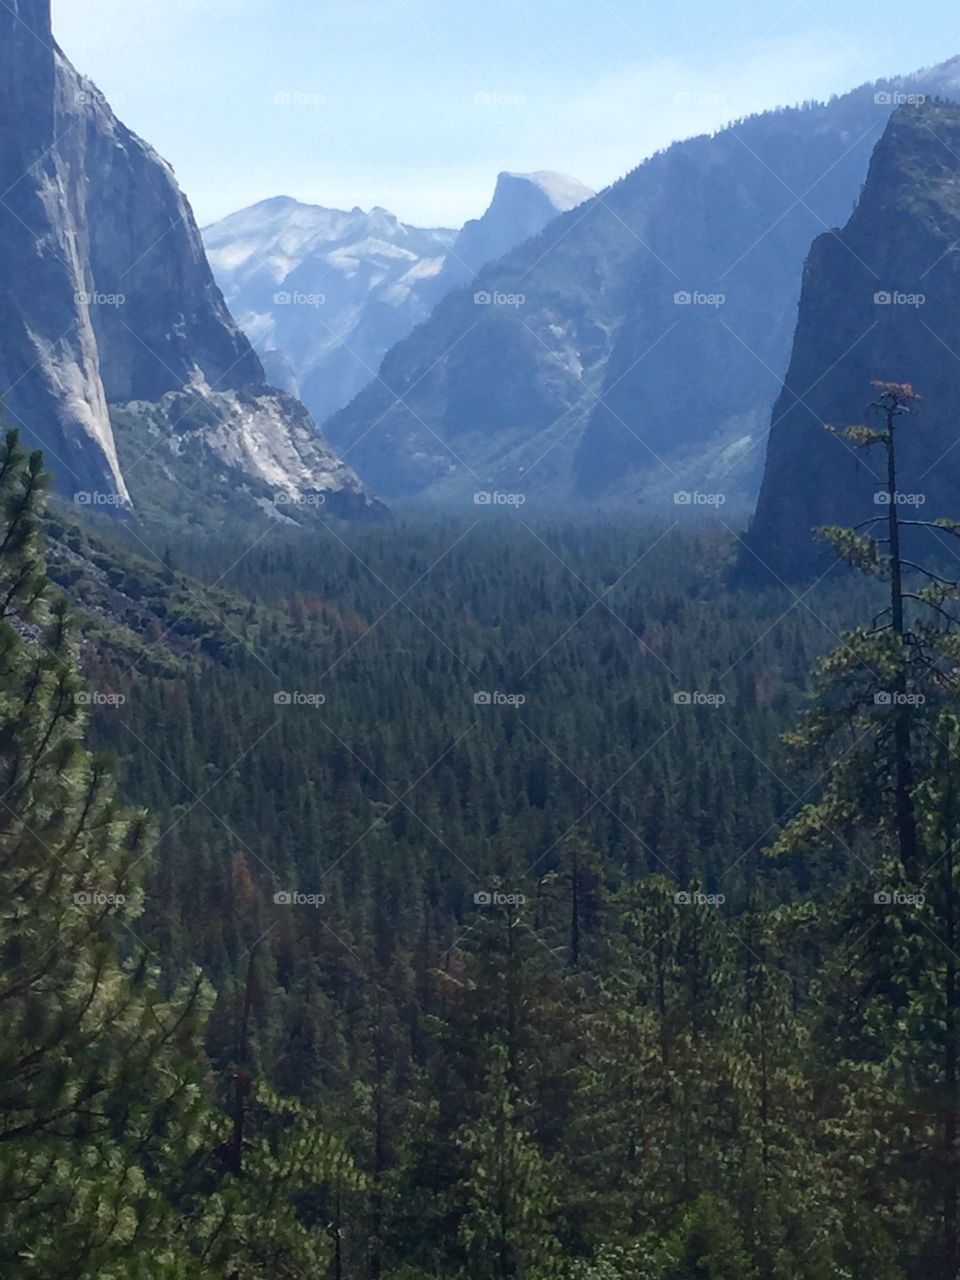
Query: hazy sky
x=418, y=104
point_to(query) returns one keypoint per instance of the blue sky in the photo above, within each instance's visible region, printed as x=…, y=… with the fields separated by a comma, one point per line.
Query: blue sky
x=418, y=104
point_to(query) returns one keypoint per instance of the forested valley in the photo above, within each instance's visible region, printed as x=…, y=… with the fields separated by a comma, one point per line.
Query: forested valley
x=445, y=901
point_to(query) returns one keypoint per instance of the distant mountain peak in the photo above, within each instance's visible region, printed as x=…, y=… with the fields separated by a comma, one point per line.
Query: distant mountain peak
x=274, y=203
x=563, y=191
x=325, y=293
x=523, y=205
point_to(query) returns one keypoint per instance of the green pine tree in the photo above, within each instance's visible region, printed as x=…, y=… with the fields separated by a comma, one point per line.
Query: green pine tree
x=99, y=1106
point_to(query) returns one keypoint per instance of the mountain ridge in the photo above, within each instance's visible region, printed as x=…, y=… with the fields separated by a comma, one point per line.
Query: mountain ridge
x=324, y=293
x=615, y=379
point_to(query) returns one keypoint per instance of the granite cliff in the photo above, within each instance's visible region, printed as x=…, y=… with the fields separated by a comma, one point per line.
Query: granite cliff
x=880, y=302
x=108, y=306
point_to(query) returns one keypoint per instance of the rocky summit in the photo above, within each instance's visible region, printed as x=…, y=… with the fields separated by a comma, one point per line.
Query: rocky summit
x=323, y=294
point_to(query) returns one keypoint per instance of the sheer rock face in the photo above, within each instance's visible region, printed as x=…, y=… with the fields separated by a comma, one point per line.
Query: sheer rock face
x=106, y=297
x=523, y=205
x=635, y=347
x=880, y=302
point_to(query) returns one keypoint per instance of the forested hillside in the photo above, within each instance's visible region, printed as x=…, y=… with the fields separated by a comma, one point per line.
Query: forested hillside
x=483, y=925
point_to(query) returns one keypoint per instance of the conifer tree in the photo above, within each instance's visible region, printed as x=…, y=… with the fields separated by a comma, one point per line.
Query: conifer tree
x=882, y=689
x=884, y=730
x=707, y=1246
x=508, y=1229
x=98, y=1104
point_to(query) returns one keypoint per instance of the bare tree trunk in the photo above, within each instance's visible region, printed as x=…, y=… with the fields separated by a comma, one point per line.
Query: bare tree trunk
x=951, y=1107
x=575, y=909
x=951, y=1190
x=379, y=1145
x=241, y=1085
x=903, y=747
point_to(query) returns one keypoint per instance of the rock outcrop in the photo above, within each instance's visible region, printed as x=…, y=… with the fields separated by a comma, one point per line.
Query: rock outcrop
x=880, y=302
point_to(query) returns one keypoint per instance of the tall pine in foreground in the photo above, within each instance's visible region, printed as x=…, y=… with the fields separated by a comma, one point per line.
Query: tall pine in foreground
x=884, y=733
x=97, y=1104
